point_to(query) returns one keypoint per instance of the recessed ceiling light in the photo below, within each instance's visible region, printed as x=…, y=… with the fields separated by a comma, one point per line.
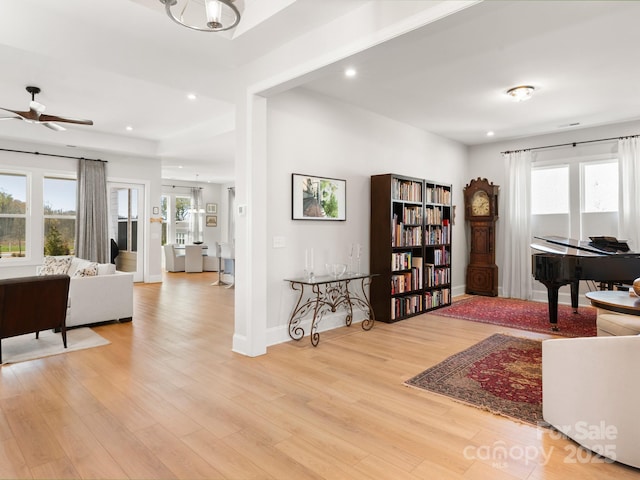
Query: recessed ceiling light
x=521, y=93
x=128, y=128
x=350, y=72
x=179, y=166
x=490, y=134
x=191, y=96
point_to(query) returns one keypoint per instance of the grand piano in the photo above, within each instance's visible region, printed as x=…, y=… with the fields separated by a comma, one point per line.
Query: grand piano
x=563, y=261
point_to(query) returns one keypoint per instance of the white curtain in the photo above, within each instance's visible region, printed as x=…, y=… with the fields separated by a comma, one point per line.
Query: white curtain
x=92, y=233
x=516, y=275
x=629, y=214
x=197, y=215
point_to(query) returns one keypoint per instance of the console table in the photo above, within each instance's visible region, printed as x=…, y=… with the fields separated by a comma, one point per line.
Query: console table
x=323, y=294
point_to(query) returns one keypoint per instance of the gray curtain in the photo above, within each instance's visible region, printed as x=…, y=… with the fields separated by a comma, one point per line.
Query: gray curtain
x=92, y=234
x=232, y=218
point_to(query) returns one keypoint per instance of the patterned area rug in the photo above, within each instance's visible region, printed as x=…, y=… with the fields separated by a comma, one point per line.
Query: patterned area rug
x=501, y=374
x=523, y=314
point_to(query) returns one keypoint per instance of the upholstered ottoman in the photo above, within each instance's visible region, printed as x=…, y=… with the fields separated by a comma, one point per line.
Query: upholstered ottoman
x=617, y=324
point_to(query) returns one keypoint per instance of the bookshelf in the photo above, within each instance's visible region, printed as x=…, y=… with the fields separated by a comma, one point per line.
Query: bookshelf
x=410, y=246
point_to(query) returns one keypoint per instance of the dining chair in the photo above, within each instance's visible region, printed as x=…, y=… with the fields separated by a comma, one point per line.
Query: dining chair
x=173, y=261
x=193, y=259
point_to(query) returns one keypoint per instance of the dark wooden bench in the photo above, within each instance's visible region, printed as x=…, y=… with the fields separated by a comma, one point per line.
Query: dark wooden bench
x=31, y=304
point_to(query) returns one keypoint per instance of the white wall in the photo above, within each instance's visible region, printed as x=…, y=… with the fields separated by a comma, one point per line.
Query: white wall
x=120, y=168
x=486, y=161
x=312, y=134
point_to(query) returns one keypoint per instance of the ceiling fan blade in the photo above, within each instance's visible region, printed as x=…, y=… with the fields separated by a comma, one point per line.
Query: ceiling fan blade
x=17, y=112
x=54, y=126
x=29, y=116
x=55, y=118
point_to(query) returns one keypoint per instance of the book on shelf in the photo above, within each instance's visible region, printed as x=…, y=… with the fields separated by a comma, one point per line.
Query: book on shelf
x=401, y=283
x=401, y=261
x=416, y=265
x=404, y=306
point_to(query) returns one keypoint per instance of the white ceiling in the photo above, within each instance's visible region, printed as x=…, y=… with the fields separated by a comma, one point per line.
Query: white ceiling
x=123, y=62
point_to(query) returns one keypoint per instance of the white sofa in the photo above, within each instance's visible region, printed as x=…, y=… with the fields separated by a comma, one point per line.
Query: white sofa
x=590, y=391
x=103, y=297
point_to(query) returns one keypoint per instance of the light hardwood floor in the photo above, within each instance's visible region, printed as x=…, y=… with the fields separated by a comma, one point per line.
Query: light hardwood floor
x=168, y=399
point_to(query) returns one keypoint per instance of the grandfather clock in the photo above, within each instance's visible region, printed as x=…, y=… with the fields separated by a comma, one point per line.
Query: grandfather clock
x=481, y=211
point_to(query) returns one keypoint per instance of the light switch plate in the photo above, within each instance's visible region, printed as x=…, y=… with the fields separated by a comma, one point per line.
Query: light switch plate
x=279, y=242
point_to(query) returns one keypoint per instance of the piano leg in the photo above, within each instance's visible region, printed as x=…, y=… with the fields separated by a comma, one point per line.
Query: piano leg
x=552, y=295
x=575, y=287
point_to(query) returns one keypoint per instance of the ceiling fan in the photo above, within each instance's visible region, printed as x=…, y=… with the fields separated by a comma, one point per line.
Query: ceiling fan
x=35, y=114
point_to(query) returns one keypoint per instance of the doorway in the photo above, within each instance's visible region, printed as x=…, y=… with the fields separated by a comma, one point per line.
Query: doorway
x=126, y=207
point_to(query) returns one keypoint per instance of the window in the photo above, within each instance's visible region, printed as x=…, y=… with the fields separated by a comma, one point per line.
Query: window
x=127, y=200
x=164, y=213
x=600, y=187
x=550, y=190
x=59, y=195
x=575, y=199
x=182, y=217
x=183, y=209
x=13, y=215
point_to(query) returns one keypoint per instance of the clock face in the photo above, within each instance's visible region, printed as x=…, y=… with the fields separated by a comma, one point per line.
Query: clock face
x=480, y=204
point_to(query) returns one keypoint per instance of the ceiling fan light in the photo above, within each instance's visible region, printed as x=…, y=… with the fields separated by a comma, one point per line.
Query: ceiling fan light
x=521, y=93
x=214, y=14
x=203, y=15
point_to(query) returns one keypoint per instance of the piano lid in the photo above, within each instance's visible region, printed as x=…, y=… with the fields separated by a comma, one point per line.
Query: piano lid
x=570, y=246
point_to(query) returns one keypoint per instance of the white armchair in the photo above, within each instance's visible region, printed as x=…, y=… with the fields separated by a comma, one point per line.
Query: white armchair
x=590, y=392
x=193, y=258
x=173, y=262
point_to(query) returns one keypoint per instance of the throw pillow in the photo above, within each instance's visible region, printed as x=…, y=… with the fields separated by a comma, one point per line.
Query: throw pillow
x=90, y=270
x=77, y=264
x=106, y=269
x=55, y=266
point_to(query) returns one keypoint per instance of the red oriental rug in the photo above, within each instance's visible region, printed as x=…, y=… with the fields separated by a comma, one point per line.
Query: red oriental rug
x=523, y=314
x=501, y=374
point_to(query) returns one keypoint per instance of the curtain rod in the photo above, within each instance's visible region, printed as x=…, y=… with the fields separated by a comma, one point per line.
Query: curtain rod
x=181, y=186
x=570, y=144
x=53, y=155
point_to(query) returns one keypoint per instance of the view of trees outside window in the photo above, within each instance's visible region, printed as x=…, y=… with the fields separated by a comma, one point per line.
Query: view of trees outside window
x=13, y=215
x=164, y=212
x=182, y=215
x=183, y=207
x=59, y=216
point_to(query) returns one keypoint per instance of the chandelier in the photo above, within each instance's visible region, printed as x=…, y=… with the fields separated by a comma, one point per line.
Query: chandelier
x=203, y=15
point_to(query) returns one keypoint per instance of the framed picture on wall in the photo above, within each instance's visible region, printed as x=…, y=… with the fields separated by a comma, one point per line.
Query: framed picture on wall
x=318, y=198
x=211, y=221
x=212, y=208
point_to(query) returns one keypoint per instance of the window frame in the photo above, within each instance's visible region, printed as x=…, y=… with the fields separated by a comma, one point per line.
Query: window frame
x=576, y=190
x=28, y=243
x=45, y=216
